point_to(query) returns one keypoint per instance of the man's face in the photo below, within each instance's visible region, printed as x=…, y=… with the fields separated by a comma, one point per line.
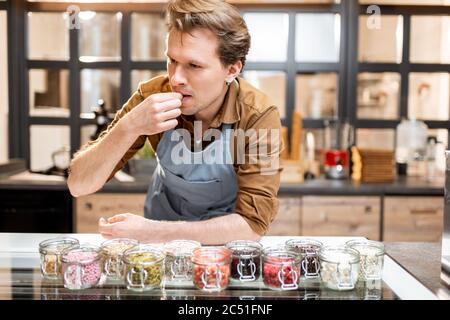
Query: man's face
x=195, y=69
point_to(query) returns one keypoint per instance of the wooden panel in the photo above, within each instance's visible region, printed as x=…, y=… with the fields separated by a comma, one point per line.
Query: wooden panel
x=288, y=220
x=341, y=216
x=89, y=209
x=413, y=218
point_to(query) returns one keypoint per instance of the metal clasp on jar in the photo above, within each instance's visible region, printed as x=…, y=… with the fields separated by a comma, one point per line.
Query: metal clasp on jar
x=117, y=264
x=179, y=268
x=143, y=274
x=205, y=276
x=311, y=255
x=282, y=275
x=251, y=265
x=76, y=272
x=345, y=281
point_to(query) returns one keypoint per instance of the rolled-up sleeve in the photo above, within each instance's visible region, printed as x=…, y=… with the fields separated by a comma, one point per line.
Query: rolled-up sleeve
x=134, y=100
x=259, y=181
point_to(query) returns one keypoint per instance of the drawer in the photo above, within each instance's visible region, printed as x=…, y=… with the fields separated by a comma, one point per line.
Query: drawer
x=288, y=220
x=413, y=218
x=90, y=208
x=341, y=216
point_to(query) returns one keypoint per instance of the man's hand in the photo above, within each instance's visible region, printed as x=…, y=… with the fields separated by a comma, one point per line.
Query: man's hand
x=157, y=113
x=128, y=225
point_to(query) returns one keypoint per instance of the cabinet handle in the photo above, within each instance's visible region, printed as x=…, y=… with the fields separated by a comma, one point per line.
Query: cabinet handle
x=424, y=211
x=368, y=209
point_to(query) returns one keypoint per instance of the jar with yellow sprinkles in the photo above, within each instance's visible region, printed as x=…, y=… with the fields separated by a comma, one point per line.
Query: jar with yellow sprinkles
x=144, y=267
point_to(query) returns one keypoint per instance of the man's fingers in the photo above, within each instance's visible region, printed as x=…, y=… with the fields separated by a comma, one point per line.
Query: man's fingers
x=171, y=114
x=167, y=105
x=117, y=218
x=167, y=125
x=104, y=227
x=164, y=96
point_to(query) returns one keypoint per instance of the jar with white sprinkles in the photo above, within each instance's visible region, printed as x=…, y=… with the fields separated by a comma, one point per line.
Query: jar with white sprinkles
x=339, y=267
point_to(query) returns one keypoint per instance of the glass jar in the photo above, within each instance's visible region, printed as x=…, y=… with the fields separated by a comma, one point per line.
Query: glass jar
x=178, y=264
x=50, y=252
x=246, y=260
x=211, y=268
x=308, y=249
x=144, y=267
x=371, y=258
x=82, y=267
x=281, y=269
x=112, y=251
x=339, y=267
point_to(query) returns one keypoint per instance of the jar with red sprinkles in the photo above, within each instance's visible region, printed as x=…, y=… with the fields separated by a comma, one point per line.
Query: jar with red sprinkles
x=82, y=267
x=281, y=269
x=211, y=268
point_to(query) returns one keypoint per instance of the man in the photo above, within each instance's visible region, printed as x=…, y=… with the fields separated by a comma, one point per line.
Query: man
x=209, y=201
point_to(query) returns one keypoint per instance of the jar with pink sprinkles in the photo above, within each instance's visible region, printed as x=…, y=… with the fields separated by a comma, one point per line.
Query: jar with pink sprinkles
x=82, y=267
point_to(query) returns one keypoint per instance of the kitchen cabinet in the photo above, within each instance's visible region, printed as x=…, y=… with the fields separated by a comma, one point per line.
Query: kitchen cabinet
x=288, y=220
x=413, y=218
x=341, y=216
x=37, y=211
x=89, y=209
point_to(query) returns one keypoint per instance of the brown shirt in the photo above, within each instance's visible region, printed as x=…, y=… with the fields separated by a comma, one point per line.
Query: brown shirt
x=246, y=108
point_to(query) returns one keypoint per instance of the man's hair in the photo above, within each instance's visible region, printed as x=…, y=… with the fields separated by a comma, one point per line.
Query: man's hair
x=223, y=19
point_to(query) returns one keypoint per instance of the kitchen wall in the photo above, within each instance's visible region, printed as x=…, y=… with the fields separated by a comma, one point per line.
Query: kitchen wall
x=3, y=88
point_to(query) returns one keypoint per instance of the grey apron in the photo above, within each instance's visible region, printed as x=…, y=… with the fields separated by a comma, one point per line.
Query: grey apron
x=198, y=189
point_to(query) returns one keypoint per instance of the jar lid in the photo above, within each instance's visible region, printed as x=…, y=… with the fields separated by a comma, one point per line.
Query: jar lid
x=339, y=254
x=181, y=247
x=279, y=255
x=83, y=254
x=143, y=255
x=211, y=255
x=245, y=248
x=57, y=245
x=367, y=247
x=303, y=245
x=118, y=246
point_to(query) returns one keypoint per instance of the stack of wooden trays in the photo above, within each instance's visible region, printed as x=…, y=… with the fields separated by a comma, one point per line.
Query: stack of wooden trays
x=373, y=165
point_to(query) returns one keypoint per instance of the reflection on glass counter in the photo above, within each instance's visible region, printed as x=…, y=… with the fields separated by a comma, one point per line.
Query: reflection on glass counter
x=316, y=95
x=429, y=95
x=100, y=84
x=54, y=47
x=99, y=36
x=273, y=84
x=269, y=40
x=49, y=92
x=378, y=95
x=148, y=36
x=24, y=281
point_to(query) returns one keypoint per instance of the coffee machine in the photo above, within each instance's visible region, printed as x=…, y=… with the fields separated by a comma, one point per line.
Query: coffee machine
x=338, y=139
x=445, y=256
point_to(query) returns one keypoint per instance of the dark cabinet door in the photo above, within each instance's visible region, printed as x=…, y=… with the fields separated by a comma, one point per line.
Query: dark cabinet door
x=40, y=211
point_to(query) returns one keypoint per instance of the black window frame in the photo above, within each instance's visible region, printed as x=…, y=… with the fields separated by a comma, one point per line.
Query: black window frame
x=347, y=68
